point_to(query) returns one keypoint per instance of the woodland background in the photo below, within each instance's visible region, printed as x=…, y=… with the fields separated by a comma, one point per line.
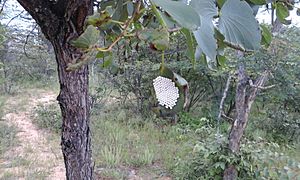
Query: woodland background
x=142, y=140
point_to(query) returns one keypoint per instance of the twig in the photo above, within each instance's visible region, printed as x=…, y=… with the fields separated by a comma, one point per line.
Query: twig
x=26, y=41
x=14, y=18
x=85, y=59
x=259, y=86
x=4, y=2
x=229, y=119
x=126, y=25
x=175, y=29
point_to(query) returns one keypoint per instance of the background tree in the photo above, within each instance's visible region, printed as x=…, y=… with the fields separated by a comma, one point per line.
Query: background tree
x=60, y=22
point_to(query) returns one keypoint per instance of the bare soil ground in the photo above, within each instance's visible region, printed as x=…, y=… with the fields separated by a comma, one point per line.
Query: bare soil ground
x=38, y=154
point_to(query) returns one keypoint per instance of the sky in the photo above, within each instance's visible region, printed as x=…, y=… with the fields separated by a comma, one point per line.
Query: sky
x=13, y=9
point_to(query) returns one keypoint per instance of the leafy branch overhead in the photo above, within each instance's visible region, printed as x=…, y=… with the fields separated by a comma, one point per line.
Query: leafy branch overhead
x=209, y=26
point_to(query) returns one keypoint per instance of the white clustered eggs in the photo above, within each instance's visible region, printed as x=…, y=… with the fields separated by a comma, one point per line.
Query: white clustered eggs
x=166, y=92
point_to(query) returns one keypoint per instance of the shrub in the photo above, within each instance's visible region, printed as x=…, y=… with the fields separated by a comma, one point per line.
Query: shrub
x=48, y=117
x=256, y=160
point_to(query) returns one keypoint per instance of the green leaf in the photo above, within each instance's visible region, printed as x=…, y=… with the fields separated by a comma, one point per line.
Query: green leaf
x=239, y=26
x=166, y=72
x=190, y=44
x=221, y=61
x=282, y=12
x=220, y=3
x=102, y=54
x=266, y=35
x=220, y=164
x=87, y=39
x=108, y=62
x=121, y=12
x=158, y=37
x=183, y=14
x=99, y=19
x=205, y=38
x=258, y=2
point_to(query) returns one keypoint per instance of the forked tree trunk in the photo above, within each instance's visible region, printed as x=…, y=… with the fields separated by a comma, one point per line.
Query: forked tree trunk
x=61, y=21
x=244, y=98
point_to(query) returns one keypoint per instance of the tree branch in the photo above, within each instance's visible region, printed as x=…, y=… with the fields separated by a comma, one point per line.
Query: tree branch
x=259, y=84
x=4, y=2
x=26, y=41
x=229, y=119
x=14, y=18
x=221, y=111
x=260, y=87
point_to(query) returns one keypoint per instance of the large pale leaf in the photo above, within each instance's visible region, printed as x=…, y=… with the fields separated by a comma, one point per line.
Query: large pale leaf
x=87, y=39
x=205, y=34
x=180, y=12
x=239, y=26
x=168, y=20
x=205, y=8
x=205, y=38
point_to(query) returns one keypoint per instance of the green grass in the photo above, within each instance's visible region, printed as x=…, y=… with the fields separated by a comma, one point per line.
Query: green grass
x=121, y=139
x=2, y=102
x=8, y=137
x=9, y=176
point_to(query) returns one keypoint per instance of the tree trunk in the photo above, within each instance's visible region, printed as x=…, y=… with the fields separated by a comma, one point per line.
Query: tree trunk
x=74, y=104
x=61, y=21
x=243, y=100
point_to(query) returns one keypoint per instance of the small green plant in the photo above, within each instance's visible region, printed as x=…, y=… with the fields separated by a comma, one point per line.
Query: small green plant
x=48, y=117
x=186, y=120
x=144, y=157
x=111, y=155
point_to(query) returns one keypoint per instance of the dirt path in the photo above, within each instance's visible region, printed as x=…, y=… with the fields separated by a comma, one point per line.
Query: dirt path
x=38, y=154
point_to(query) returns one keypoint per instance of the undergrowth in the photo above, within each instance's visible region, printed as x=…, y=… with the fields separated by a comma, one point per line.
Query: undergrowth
x=123, y=140
x=8, y=137
x=48, y=117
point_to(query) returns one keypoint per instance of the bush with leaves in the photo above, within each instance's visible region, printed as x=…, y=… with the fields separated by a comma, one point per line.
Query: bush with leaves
x=49, y=117
x=256, y=159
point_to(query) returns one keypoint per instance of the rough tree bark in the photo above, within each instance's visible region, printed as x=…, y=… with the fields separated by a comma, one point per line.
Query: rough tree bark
x=61, y=21
x=246, y=92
